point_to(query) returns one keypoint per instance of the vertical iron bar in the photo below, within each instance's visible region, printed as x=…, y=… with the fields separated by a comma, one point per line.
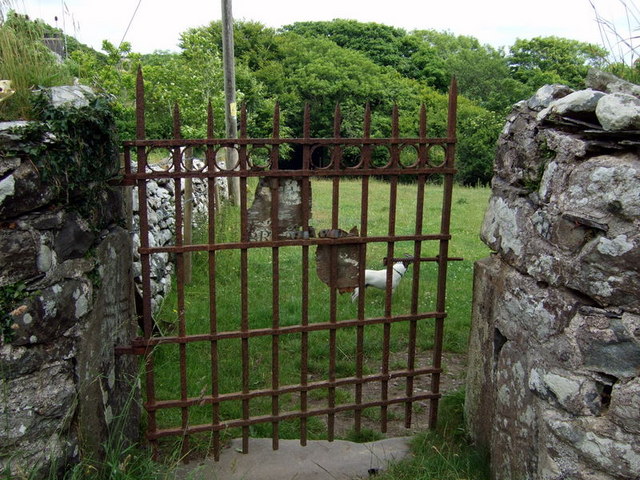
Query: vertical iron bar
x=213, y=313
x=244, y=282
x=444, y=249
x=304, y=339
x=145, y=258
x=417, y=253
x=362, y=260
x=393, y=194
x=182, y=328
x=336, y=156
x=275, y=265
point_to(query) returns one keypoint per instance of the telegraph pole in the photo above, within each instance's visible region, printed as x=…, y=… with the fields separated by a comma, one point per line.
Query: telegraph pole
x=231, y=109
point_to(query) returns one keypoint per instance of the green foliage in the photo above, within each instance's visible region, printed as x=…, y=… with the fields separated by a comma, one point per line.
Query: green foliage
x=75, y=150
x=478, y=131
x=28, y=63
x=338, y=62
x=543, y=60
x=384, y=45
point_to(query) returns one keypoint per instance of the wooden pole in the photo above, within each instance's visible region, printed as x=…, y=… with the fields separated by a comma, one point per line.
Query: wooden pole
x=231, y=109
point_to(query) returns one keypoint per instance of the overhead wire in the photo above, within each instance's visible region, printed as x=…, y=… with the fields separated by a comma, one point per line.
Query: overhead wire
x=130, y=22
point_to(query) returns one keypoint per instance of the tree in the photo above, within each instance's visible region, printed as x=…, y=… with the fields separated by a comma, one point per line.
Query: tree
x=296, y=69
x=543, y=60
x=384, y=45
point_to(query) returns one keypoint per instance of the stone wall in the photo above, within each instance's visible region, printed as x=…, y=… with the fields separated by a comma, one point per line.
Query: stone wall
x=161, y=218
x=553, y=388
x=66, y=282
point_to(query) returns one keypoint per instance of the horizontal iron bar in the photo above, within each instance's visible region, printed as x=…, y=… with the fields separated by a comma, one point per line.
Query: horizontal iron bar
x=283, y=390
x=421, y=259
x=284, y=330
x=208, y=247
x=229, y=142
x=318, y=172
x=129, y=350
x=154, y=435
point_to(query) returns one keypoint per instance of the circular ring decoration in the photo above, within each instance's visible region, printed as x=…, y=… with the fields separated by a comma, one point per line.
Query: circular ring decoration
x=381, y=156
x=352, y=156
x=321, y=158
x=259, y=158
x=160, y=159
x=436, y=156
x=221, y=158
x=409, y=158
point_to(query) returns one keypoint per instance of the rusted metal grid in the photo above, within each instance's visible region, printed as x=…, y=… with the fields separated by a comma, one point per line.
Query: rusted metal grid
x=334, y=171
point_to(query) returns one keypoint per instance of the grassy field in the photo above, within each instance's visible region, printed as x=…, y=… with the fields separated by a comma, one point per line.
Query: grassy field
x=467, y=212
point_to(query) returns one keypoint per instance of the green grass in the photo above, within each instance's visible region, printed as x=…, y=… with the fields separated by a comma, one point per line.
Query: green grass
x=444, y=453
x=468, y=207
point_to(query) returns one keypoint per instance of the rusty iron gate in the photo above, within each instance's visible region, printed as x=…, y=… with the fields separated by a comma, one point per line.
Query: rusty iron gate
x=315, y=391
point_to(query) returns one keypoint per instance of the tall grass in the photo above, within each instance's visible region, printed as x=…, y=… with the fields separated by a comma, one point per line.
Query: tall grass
x=468, y=208
x=443, y=454
x=26, y=62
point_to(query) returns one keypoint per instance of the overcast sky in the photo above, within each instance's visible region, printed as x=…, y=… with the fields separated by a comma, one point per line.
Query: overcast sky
x=157, y=24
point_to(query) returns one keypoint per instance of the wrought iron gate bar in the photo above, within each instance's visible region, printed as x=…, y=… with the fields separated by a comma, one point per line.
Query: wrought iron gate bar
x=283, y=330
x=287, y=389
x=290, y=415
x=311, y=141
x=350, y=172
x=294, y=243
x=333, y=169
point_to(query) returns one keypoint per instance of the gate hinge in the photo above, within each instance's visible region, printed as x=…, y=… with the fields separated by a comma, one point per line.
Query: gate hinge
x=138, y=347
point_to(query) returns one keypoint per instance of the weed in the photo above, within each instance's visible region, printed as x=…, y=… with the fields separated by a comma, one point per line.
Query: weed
x=28, y=63
x=365, y=435
x=75, y=151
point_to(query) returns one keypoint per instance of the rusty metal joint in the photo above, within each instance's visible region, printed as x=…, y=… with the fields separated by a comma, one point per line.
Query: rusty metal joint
x=137, y=347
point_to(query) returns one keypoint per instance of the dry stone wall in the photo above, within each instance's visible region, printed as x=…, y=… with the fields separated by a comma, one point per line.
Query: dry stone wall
x=161, y=218
x=67, y=297
x=553, y=389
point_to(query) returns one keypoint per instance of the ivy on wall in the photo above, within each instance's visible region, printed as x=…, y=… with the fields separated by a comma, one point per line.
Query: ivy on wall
x=75, y=150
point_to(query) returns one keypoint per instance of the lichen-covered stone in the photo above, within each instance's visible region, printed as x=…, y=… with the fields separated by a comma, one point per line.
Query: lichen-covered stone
x=22, y=190
x=619, y=111
x=554, y=351
x=547, y=94
x=72, y=305
x=609, y=83
x=18, y=256
x=576, y=102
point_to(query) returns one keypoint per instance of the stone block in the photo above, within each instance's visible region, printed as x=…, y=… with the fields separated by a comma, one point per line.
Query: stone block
x=596, y=442
x=22, y=190
x=605, y=343
x=625, y=405
x=619, y=111
x=19, y=252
